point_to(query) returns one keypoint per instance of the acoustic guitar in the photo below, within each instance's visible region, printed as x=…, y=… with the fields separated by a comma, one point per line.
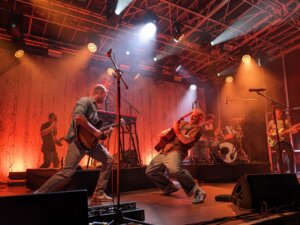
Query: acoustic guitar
x=168, y=137
x=86, y=140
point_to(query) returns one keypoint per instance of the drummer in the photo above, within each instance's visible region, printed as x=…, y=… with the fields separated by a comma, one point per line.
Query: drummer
x=200, y=151
x=208, y=131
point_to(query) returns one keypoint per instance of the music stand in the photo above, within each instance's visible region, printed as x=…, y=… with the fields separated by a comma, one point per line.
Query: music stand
x=118, y=216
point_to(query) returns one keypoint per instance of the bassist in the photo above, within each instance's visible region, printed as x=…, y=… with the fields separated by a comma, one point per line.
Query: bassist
x=285, y=144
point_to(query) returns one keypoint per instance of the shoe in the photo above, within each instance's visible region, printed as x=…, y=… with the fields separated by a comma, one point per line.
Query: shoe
x=171, y=190
x=199, y=197
x=101, y=198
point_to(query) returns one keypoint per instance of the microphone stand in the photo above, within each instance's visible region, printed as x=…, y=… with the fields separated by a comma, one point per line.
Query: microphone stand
x=118, y=217
x=273, y=103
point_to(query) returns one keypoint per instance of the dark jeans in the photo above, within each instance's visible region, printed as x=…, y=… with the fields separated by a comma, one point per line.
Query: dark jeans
x=287, y=147
x=50, y=157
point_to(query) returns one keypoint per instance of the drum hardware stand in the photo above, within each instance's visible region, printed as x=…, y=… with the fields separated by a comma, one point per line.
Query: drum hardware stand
x=241, y=153
x=118, y=216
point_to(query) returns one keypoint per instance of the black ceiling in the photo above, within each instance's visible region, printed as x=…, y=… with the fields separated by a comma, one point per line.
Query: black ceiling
x=269, y=28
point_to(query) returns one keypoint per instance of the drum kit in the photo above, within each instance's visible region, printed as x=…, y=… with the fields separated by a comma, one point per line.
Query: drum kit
x=225, y=147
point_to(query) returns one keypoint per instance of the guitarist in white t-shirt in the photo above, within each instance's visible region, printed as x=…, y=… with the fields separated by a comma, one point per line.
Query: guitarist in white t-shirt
x=284, y=129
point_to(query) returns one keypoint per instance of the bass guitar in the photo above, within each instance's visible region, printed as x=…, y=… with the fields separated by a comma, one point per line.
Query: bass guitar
x=168, y=137
x=85, y=140
x=272, y=138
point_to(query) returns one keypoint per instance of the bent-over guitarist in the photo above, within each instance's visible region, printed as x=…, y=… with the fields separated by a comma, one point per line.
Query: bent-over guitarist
x=173, y=148
x=283, y=125
x=85, y=115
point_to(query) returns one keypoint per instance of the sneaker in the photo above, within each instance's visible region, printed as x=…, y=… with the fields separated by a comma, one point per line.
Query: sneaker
x=171, y=190
x=101, y=198
x=198, y=197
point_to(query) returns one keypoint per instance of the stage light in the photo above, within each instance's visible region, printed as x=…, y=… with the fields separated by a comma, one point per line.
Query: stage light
x=154, y=59
x=147, y=32
x=229, y=79
x=127, y=52
x=110, y=71
x=177, y=78
x=137, y=76
x=177, y=34
x=219, y=74
x=178, y=68
x=212, y=43
x=111, y=17
x=19, y=53
x=92, y=47
x=246, y=59
x=193, y=87
x=121, y=5
x=15, y=26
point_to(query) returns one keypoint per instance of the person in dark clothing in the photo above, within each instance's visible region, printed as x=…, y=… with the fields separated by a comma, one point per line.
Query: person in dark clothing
x=48, y=133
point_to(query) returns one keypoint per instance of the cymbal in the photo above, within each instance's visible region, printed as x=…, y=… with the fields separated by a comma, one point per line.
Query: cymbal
x=237, y=120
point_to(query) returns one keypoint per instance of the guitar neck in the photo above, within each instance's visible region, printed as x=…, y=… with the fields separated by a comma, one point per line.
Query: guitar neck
x=107, y=127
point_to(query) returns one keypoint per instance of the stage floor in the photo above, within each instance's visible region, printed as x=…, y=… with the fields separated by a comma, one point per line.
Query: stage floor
x=176, y=209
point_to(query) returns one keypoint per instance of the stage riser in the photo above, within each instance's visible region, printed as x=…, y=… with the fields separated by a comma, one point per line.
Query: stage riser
x=135, y=179
x=224, y=172
x=130, y=180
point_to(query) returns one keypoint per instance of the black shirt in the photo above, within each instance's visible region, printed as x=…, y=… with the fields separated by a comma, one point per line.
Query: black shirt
x=49, y=139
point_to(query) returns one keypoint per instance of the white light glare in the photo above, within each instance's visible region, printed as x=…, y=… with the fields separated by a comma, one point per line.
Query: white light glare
x=154, y=59
x=121, y=6
x=19, y=53
x=147, y=32
x=178, y=68
x=246, y=59
x=92, y=47
x=193, y=87
x=127, y=52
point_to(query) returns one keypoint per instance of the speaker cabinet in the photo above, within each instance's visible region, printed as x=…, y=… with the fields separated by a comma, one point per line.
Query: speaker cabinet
x=251, y=191
x=59, y=208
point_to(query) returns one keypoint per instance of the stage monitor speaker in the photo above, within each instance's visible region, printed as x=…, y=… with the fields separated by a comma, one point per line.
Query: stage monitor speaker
x=57, y=208
x=251, y=191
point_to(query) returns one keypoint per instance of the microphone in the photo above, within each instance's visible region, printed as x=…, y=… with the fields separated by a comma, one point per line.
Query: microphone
x=256, y=89
x=108, y=54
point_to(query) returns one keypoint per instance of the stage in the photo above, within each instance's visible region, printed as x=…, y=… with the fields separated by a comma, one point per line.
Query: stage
x=176, y=209
x=87, y=178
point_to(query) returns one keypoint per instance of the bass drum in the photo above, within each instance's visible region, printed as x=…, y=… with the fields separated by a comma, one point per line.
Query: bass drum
x=225, y=152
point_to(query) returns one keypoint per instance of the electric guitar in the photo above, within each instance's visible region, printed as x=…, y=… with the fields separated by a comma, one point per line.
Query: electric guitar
x=169, y=136
x=87, y=141
x=272, y=138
